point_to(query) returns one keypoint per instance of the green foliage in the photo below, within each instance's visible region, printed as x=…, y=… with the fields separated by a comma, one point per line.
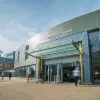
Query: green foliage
x=32, y=72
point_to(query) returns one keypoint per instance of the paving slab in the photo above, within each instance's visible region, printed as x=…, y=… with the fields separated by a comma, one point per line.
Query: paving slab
x=19, y=89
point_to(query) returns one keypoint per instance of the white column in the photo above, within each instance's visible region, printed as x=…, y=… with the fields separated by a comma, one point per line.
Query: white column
x=57, y=77
x=45, y=72
x=49, y=74
x=61, y=68
x=59, y=73
x=36, y=75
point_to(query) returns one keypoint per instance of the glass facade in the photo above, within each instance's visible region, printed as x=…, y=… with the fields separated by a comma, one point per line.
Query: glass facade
x=95, y=51
x=18, y=56
x=21, y=72
x=55, y=51
x=60, y=72
x=26, y=55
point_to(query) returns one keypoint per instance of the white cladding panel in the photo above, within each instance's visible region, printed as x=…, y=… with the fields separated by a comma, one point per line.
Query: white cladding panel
x=33, y=42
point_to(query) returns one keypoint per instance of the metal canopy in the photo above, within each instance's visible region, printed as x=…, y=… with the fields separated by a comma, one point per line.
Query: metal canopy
x=68, y=49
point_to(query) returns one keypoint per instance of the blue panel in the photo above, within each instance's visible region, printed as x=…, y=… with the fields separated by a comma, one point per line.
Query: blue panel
x=3, y=59
x=87, y=60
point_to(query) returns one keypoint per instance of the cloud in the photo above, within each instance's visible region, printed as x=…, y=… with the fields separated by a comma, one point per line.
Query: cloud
x=23, y=28
x=7, y=45
x=16, y=31
x=31, y=34
x=14, y=35
x=21, y=21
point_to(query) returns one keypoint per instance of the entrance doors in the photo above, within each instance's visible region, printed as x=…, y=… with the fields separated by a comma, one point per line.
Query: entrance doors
x=59, y=77
x=50, y=72
x=67, y=72
x=53, y=72
x=96, y=66
x=59, y=72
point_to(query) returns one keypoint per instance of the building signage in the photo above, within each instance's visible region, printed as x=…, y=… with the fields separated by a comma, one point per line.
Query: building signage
x=64, y=34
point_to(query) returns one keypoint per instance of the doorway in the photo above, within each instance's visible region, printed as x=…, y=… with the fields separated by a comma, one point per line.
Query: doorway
x=60, y=72
x=50, y=72
x=68, y=72
x=96, y=66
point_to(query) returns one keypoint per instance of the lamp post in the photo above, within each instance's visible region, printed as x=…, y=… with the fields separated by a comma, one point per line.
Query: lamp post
x=0, y=61
x=1, y=52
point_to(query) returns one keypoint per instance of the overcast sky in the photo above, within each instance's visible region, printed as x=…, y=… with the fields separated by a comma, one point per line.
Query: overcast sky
x=22, y=19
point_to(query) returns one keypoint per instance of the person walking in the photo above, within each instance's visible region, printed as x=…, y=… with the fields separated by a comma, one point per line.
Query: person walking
x=2, y=75
x=41, y=76
x=28, y=73
x=10, y=75
x=76, y=74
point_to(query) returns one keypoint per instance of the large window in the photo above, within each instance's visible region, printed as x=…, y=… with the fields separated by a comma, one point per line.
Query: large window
x=26, y=55
x=95, y=50
x=18, y=56
x=27, y=47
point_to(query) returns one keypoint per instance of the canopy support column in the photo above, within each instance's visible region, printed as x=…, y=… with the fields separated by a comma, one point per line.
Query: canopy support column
x=39, y=66
x=81, y=62
x=81, y=58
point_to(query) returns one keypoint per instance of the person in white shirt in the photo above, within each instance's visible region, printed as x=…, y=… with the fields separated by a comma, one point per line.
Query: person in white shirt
x=2, y=74
x=76, y=74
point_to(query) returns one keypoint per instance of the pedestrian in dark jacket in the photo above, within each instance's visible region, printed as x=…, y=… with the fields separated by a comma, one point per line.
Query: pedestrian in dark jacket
x=10, y=75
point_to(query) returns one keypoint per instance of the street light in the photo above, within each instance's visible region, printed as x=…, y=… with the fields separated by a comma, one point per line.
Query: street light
x=0, y=61
x=1, y=52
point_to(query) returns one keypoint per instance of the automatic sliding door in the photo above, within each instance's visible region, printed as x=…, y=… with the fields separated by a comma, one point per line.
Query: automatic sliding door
x=50, y=71
x=53, y=72
x=97, y=73
x=96, y=66
x=60, y=73
x=47, y=74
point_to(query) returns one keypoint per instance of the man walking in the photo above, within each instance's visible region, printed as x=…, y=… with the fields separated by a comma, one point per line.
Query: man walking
x=76, y=74
x=2, y=74
x=10, y=75
x=28, y=73
x=41, y=76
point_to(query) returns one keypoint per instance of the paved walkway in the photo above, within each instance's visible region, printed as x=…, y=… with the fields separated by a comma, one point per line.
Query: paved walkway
x=18, y=89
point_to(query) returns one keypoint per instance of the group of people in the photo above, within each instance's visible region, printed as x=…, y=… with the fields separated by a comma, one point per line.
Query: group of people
x=2, y=75
x=76, y=75
x=28, y=75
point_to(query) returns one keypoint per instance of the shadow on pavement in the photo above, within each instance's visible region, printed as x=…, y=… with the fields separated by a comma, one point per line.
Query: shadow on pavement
x=4, y=81
x=94, y=85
